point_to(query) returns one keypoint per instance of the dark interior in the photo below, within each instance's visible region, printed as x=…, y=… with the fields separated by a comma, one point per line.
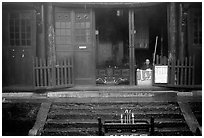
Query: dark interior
x=113, y=28
x=112, y=25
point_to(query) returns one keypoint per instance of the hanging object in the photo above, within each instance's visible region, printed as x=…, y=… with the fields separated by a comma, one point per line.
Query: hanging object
x=119, y=12
x=155, y=50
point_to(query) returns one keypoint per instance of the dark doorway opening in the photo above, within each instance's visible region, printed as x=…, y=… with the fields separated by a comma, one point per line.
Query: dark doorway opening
x=150, y=25
x=112, y=46
x=154, y=24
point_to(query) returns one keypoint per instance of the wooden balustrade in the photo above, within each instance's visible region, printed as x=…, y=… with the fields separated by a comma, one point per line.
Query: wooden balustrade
x=180, y=72
x=52, y=76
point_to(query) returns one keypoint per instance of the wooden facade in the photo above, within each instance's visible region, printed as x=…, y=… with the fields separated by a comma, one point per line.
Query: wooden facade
x=58, y=31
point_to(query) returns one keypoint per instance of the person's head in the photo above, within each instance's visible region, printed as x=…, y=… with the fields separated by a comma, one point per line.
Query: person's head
x=147, y=62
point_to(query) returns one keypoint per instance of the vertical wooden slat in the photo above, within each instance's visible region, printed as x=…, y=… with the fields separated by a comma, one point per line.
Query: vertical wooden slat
x=193, y=71
x=41, y=73
x=45, y=72
x=72, y=68
x=177, y=70
x=182, y=70
x=65, y=71
x=34, y=80
x=57, y=68
x=33, y=61
x=69, y=70
x=61, y=73
x=173, y=72
x=169, y=73
x=189, y=72
x=64, y=81
x=64, y=67
x=49, y=74
x=37, y=72
x=185, y=74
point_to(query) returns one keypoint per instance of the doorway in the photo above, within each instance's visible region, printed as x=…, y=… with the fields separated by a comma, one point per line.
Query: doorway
x=19, y=44
x=112, y=46
x=150, y=39
x=125, y=38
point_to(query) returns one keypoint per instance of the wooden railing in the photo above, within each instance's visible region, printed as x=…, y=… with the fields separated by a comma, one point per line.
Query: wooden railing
x=52, y=76
x=180, y=72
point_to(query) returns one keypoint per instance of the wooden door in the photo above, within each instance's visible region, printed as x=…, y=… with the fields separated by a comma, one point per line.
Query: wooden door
x=20, y=47
x=74, y=37
x=84, y=50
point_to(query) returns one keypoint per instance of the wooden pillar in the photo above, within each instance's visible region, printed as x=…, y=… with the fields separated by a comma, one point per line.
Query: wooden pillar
x=172, y=31
x=50, y=39
x=41, y=34
x=181, y=33
x=131, y=47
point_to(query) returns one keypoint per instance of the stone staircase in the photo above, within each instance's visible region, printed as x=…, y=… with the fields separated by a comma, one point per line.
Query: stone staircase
x=80, y=119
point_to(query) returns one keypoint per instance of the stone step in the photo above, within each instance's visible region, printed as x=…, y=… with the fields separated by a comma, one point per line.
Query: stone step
x=74, y=123
x=70, y=132
x=128, y=103
x=175, y=131
x=81, y=119
x=110, y=93
x=139, y=115
x=115, y=107
x=114, y=111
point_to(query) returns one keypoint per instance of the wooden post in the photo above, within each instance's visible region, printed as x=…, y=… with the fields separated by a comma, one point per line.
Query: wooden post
x=131, y=47
x=152, y=126
x=50, y=41
x=172, y=39
x=172, y=31
x=41, y=34
x=100, y=125
x=181, y=33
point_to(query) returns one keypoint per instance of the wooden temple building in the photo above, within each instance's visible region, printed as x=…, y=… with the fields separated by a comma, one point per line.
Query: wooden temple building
x=64, y=44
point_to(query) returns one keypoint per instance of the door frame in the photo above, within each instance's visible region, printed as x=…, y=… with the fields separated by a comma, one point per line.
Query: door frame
x=131, y=47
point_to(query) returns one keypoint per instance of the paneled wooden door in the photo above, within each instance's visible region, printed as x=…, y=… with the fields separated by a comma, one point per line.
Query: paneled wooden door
x=19, y=48
x=74, y=37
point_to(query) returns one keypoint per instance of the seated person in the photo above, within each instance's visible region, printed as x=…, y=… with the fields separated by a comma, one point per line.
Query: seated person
x=146, y=65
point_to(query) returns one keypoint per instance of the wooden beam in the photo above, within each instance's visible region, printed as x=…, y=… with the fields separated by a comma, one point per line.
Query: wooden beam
x=189, y=116
x=131, y=47
x=40, y=120
x=107, y=4
x=50, y=34
x=181, y=33
x=50, y=40
x=172, y=31
x=41, y=34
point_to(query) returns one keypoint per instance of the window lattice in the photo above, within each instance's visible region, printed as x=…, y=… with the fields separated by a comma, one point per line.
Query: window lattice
x=197, y=28
x=63, y=28
x=82, y=27
x=20, y=29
